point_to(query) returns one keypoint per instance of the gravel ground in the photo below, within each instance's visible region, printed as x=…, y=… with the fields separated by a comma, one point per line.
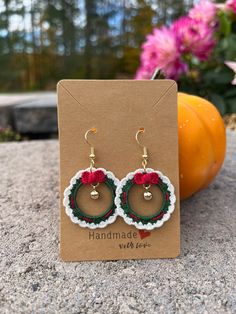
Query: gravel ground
x=34, y=280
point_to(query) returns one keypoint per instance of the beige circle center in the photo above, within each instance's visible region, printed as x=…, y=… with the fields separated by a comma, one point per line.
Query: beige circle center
x=142, y=207
x=94, y=207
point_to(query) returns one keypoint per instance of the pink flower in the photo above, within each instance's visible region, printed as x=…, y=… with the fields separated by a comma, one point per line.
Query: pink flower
x=204, y=11
x=161, y=50
x=231, y=4
x=194, y=37
x=143, y=73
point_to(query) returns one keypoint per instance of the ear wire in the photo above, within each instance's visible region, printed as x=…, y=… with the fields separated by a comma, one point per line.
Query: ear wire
x=92, y=155
x=145, y=151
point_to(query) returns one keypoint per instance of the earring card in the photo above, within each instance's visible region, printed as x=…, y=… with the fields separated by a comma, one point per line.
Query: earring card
x=118, y=108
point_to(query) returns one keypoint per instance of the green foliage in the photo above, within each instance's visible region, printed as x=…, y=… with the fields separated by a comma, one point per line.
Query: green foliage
x=213, y=83
x=7, y=135
x=212, y=79
x=225, y=24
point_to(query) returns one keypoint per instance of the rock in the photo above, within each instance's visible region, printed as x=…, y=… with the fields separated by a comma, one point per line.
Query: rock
x=8, y=103
x=37, y=116
x=35, y=280
x=29, y=112
x=35, y=287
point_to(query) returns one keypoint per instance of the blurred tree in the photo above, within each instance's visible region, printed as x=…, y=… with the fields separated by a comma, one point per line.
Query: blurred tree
x=91, y=15
x=137, y=23
x=7, y=24
x=42, y=41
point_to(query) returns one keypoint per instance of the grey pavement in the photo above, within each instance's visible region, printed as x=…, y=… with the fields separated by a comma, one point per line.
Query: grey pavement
x=34, y=280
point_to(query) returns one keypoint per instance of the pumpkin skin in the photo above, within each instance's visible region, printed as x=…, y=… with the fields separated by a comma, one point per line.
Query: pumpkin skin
x=202, y=143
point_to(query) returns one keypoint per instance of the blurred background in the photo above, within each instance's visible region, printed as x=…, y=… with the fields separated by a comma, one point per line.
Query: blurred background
x=44, y=41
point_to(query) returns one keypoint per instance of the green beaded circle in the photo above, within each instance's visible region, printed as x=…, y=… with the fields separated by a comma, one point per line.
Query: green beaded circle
x=80, y=214
x=140, y=218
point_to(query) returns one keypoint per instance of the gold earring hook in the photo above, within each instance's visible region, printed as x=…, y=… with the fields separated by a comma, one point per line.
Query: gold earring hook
x=92, y=130
x=141, y=130
x=92, y=150
x=145, y=152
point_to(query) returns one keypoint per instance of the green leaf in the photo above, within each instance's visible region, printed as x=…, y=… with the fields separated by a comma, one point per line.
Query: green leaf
x=225, y=24
x=219, y=102
x=231, y=105
x=219, y=76
x=231, y=92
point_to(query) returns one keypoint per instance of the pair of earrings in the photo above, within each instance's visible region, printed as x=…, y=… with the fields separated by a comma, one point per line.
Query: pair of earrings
x=120, y=204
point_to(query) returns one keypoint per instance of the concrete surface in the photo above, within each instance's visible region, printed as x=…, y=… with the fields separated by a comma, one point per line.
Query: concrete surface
x=34, y=112
x=37, y=116
x=34, y=280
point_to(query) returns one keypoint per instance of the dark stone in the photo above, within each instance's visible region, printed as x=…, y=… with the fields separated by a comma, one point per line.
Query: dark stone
x=35, y=286
x=37, y=116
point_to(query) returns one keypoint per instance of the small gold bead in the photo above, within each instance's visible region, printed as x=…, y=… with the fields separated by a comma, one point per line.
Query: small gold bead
x=94, y=194
x=147, y=195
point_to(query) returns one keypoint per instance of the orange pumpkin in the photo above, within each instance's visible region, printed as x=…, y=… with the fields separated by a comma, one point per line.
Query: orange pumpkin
x=202, y=143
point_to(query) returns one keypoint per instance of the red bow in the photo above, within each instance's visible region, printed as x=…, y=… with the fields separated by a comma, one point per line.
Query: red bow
x=97, y=176
x=146, y=178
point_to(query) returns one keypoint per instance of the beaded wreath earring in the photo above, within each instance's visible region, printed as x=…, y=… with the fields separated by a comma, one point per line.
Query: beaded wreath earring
x=94, y=177
x=149, y=179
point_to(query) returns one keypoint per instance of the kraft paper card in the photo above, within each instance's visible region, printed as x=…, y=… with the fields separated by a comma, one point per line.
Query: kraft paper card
x=118, y=108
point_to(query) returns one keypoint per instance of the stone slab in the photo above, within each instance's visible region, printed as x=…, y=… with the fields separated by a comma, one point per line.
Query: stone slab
x=37, y=116
x=29, y=112
x=19, y=98
x=34, y=280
